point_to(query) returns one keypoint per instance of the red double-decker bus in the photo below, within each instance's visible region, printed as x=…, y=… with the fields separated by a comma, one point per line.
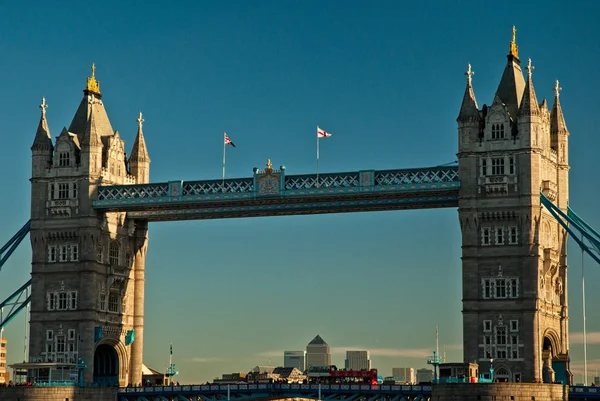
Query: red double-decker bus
x=344, y=376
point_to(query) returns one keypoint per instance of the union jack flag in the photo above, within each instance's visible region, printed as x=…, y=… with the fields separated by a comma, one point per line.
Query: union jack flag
x=228, y=141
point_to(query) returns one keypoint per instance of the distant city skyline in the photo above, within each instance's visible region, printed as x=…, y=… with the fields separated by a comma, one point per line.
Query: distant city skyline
x=385, y=78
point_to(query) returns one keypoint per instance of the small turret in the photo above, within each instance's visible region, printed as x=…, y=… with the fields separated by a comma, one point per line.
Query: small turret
x=42, y=144
x=529, y=104
x=558, y=129
x=91, y=144
x=468, y=108
x=139, y=161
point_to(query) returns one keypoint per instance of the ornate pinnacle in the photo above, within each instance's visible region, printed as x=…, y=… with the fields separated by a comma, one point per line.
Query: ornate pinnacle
x=556, y=90
x=140, y=120
x=469, y=73
x=44, y=106
x=530, y=68
x=268, y=169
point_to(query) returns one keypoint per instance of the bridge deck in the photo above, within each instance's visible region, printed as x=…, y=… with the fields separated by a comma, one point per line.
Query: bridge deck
x=270, y=193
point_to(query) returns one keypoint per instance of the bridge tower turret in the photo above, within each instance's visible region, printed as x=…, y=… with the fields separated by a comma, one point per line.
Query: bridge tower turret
x=514, y=253
x=87, y=266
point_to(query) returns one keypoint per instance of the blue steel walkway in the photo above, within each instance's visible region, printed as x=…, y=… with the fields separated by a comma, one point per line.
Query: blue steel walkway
x=271, y=192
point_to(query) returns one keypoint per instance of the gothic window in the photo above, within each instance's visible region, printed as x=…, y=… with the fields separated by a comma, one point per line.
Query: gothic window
x=63, y=191
x=49, y=348
x=60, y=344
x=49, y=335
x=74, y=253
x=71, y=335
x=500, y=285
x=501, y=131
x=494, y=131
x=99, y=252
x=102, y=302
x=72, y=300
x=64, y=253
x=498, y=166
x=114, y=253
x=52, y=253
x=51, y=191
x=74, y=188
x=500, y=335
x=52, y=299
x=487, y=325
x=127, y=259
x=485, y=236
x=113, y=302
x=499, y=236
x=514, y=288
x=513, y=238
x=483, y=167
x=63, y=159
x=62, y=301
x=511, y=165
x=514, y=325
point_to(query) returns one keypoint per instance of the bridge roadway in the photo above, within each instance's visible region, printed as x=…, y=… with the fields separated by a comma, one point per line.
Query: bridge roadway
x=325, y=392
x=271, y=193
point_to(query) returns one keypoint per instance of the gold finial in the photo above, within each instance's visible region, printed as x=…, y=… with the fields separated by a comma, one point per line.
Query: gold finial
x=514, y=50
x=557, y=89
x=92, y=84
x=44, y=106
x=269, y=169
x=140, y=120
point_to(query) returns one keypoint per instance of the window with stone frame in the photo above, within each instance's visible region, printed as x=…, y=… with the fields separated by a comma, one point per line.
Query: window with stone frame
x=485, y=236
x=511, y=165
x=63, y=253
x=114, y=253
x=499, y=235
x=498, y=166
x=61, y=300
x=113, y=302
x=102, y=301
x=49, y=335
x=499, y=287
x=483, y=167
x=487, y=325
x=513, y=237
x=71, y=334
x=64, y=159
x=99, y=252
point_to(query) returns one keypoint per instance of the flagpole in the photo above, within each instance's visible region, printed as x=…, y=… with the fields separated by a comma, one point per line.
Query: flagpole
x=317, y=156
x=224, y=150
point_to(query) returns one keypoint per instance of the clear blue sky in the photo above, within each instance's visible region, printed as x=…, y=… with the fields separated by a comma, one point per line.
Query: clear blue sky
x=385, y=77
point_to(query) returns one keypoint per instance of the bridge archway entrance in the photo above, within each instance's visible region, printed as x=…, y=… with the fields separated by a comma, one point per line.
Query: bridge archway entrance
x=106, y=366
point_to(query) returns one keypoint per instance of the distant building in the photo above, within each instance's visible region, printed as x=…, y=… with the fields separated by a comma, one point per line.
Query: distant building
x=152, y=377
x=295, y=359
x=404, y=375
x=358, y=360
x=4, y=375
x=262, y=374
x=231, y=378
x=318, y=353
x=289, y=375
x=424, y=375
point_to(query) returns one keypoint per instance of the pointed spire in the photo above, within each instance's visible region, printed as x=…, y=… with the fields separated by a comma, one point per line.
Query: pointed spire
x=43, y=140
x=512, y=84
x=468, y=108
x=529, y=103
x=139, y=151
x=91, y=136
x=557, y=120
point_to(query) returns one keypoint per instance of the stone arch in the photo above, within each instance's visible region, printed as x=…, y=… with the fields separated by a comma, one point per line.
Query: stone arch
x=551, y=342
x=122, y=355
x=502, y=373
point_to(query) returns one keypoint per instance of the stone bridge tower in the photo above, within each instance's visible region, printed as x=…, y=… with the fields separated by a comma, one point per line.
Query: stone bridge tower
x=87, y=300
x=514, y=253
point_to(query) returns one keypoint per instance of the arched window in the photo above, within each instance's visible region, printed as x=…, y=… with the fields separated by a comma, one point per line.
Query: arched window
x=64, y=159
x=493, y=131
x=114, y=253
x=501, y=131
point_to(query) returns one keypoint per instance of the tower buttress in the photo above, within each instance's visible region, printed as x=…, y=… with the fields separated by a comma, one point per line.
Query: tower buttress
x=139, y=161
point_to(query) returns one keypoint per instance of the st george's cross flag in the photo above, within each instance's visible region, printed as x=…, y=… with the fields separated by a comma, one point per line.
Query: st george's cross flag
x=321, y=133
x=228, y=141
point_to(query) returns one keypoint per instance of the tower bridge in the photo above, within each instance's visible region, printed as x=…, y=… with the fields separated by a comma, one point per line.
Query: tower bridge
x=91, y=205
